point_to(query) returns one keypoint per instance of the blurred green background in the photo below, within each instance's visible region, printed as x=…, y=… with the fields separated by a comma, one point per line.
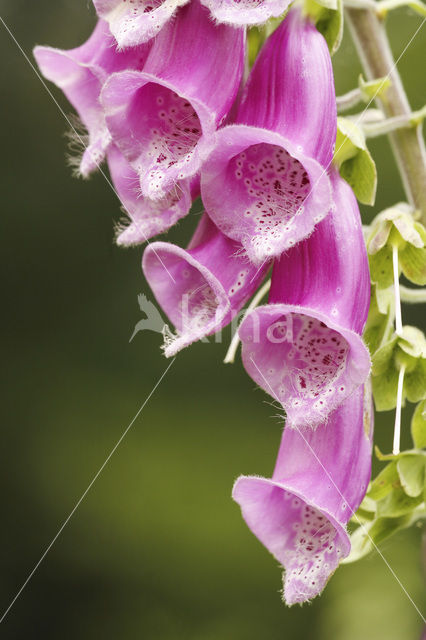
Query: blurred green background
x=157, y=549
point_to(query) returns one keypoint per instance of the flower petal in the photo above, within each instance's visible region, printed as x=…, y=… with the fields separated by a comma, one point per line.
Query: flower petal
x=303, y=359
x=261, y=190
x=80, y=73
x=246, y=12
x=329, y=271
x=305, y=347
x=189, y=83
x=319, y=480
x=148, y=217
x=201, y=289
x=290, y=89
x=135, y=22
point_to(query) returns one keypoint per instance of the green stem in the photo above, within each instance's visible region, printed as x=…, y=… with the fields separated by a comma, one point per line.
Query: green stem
x=373, y=47
x=348, y=100
x=384, y=127
x=412, y=296
x=233, y=347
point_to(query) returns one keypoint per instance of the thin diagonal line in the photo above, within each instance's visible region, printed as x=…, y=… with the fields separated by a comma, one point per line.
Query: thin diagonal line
x=346, y=501
x=77, y=134
x=78, y=503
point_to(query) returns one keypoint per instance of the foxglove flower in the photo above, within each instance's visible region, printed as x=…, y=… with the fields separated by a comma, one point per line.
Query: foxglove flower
x=202, y=288
x=246, y=12
x=320, y=478
x=164, y=118
x=304, y=348
x=80, y=73
x=264, y=184
x=135, y=21
x=148, y=217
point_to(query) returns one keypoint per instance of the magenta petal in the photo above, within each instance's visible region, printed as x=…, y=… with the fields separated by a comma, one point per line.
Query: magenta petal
x=164, y=119
x=329, y=271
x=302, y=359
x=290, y=89
x=201, y=289
x=305, y=348
x=271, y=165
x=148, y=217
x=261, y=190
x=246, y=12
x=320, y=478
x=136, y=21
x=80, y=73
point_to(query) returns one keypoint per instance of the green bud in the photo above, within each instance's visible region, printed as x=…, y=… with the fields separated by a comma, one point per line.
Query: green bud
x=397, y=503
x=408, y=350
x=397, y=227
x=384, y=483
x=328, y=18
x=379, y=326
x=354, y=160
x=373, y=88
x=418, y=426
x=411, y=470
x=368, y=536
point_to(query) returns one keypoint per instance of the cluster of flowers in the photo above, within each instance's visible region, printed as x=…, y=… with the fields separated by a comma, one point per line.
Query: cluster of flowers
x=175, y=116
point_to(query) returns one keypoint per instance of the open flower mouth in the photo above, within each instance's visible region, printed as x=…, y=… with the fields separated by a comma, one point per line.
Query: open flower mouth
x=263, y=191
x=135, y=21
x=307, y=543
x=306, y=363
x=188, y=292
x=168, y=134
x=273, y=187
x=245, y=11
x=140, y=6
x=312, y=357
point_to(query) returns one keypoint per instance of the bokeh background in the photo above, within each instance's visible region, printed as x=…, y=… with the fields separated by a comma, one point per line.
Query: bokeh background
x=157, y=549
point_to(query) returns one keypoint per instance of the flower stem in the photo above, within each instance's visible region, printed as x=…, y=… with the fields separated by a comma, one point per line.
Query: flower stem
x=348, y=100
x=392, y=124
x=397, y=429
x=233, y=347
x=373, y=48
x=412, y=296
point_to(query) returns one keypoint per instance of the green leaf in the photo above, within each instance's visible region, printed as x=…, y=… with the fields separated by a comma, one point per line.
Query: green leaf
x=384, y=389
x=408, y=350
x=411, y=470
x=381, y=268
x=361, y=173
x=373, y=88
x=255, y=40
x=406, y=226
x=385, y=482
x=354, y=160
x=397, y=503
x=397, y=227
x=328, y=18
x=383, y=357
x=418, y=426
x=328, y=4
x=415, y=382
x=384, y=6
x=413, y=342
x=385, y=456
x=367, y=537
x=379, y=326
x=366, y=511
x=412, y=258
